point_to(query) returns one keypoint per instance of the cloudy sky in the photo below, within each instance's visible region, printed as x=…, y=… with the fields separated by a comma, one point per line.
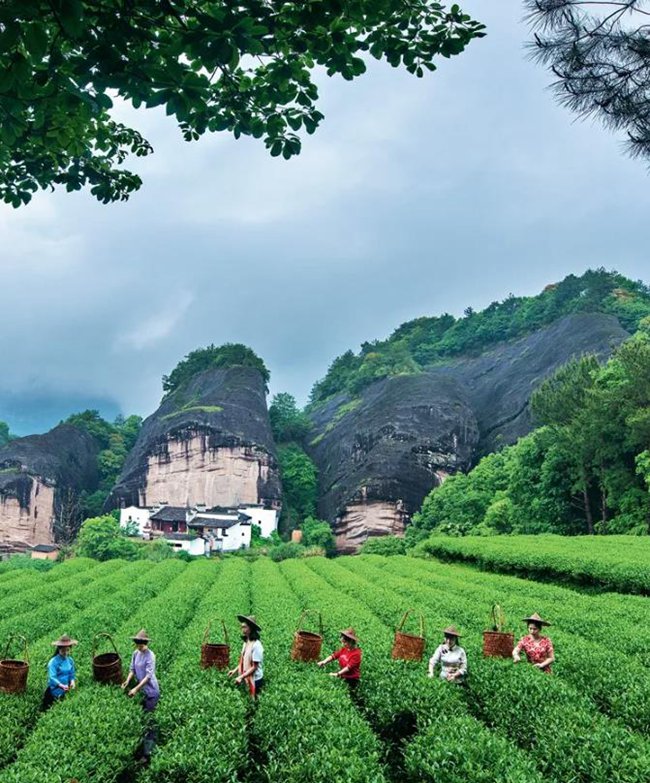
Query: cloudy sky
x=415, y=197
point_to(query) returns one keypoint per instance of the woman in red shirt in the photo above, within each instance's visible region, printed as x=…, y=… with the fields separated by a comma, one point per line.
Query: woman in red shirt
x=349, y=658
x=538, y=649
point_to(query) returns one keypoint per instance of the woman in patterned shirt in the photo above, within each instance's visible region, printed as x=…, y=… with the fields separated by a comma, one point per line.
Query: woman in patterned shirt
x=538, y=648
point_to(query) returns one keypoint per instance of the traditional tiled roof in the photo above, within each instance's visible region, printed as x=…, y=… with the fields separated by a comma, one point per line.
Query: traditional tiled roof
x=170, y=514
x=45, y=548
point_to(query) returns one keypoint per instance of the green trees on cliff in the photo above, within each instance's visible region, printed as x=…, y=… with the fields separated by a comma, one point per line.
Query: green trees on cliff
x=227, y=355
x=426, y=340
x=586, y=470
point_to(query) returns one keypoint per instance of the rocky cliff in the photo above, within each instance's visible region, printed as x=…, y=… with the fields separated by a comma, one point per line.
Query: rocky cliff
x=38, y=476
x=380, y=454
x=209, y=442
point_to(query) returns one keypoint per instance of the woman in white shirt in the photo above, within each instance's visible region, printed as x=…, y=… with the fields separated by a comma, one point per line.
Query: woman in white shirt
x=251, y=661
x=451, y=657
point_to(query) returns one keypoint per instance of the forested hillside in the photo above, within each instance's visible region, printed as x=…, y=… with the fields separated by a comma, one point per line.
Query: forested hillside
x=424, y=341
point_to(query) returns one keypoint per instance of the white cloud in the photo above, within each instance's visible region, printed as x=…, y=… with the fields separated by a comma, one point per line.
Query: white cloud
x=158, y=325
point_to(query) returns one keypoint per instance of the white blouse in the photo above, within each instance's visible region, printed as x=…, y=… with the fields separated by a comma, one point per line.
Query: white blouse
x=454, y=660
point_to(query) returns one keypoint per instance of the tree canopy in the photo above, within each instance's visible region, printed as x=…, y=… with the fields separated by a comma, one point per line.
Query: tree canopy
x=599, y=52
x=244, y=67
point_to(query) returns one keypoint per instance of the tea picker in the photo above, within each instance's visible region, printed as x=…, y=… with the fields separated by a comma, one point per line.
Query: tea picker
x=143, y=669
x=451, y=657
x=61, y=672
x=251, y=661
x=349, y=658
x=537, y=648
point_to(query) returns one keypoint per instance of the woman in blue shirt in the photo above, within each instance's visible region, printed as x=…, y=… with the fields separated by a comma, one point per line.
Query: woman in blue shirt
x=61, y=673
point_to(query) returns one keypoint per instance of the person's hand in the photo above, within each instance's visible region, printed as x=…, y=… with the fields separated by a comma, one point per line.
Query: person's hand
x=73, y=685
x=124, y=684
x=320, y=663
x=539, y=666
x=65, y=688
x=239, y=679
x=132, y=692
x=334, y=674
x=232, y=672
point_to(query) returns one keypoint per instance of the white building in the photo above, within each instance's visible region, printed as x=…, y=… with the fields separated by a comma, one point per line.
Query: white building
x=140, y=516
x=187, y=528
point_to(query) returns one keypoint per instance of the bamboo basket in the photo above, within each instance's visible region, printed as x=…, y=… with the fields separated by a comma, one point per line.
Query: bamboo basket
x=213, y=655
x=14, y=671
x=497, y=642
x=307, y=644
x=107, y=667
x=407, y=646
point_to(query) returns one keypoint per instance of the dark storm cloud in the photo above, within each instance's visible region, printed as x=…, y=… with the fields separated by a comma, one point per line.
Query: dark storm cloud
x=416, y=197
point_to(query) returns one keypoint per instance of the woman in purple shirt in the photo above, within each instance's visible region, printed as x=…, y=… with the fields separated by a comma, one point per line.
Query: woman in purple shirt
x=143, y=669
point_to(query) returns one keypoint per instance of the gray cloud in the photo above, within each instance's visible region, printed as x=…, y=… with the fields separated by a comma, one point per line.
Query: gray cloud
x=416, y=197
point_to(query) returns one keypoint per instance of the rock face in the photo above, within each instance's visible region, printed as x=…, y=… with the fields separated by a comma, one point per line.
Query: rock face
x=209, y=443
x=379, y=455
x=376, y=455
x=37, y=475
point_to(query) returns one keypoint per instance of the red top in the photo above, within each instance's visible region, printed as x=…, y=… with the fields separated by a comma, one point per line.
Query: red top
x=538, y=650
x=351, y=658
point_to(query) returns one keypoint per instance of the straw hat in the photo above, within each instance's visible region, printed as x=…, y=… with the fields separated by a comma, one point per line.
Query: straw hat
x=350, y=633
x=141, y=636
x=451, y=630
x=249, y=620
x=65, y=641
x=535, y=618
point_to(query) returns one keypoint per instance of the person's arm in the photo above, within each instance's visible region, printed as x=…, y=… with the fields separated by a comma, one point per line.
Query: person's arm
x=251, y=670
x=341, y=672
x=550, y=657
x=327, y=660
x=516, y=653
x=434, y=660
x=149, y=669
x=52, y=679
x=461, y=671
x=73, y=677
x=131, y=673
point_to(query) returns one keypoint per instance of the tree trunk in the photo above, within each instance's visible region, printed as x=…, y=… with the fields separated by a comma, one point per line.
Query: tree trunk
x=588, y=515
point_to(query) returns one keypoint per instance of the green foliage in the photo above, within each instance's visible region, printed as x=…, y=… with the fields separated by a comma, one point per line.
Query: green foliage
x=614, y=562
x=316, y=533
x=299, y=485
x=227, y=355
x=288, y=422
x=101, y=538
x=425, y=341
x=285, y=551
x=384, y=545
x=5, y=435
x=246, y=69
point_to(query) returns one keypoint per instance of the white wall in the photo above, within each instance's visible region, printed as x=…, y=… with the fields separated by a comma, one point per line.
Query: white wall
x=237, y=536
x=266, y=518
x=139, y=515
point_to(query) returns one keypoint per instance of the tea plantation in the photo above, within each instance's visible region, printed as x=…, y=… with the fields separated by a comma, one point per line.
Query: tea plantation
x=589, y=722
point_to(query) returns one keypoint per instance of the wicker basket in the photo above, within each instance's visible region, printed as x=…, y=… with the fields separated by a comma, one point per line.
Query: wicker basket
x=14, y=671
x=213, y=655
x=107, y=667
x=498, y=644
x=409, y=647
x=307, y=644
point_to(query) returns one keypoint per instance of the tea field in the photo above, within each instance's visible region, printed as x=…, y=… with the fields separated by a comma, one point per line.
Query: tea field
x=587, y=723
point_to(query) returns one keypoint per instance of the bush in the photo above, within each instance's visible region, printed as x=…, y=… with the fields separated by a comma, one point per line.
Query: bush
x=384, y=545
x=285, y=551
x=316, y=533
x=102, y=539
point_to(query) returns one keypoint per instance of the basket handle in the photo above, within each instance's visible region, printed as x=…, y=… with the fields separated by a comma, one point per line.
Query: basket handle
x=206, y=635
x=17, y=637
x=306, y=613
x=106, y=636
x=405, y=617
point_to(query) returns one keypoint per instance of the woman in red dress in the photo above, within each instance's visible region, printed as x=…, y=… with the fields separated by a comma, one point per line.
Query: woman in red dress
x=349, y=658
x=537, y=648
